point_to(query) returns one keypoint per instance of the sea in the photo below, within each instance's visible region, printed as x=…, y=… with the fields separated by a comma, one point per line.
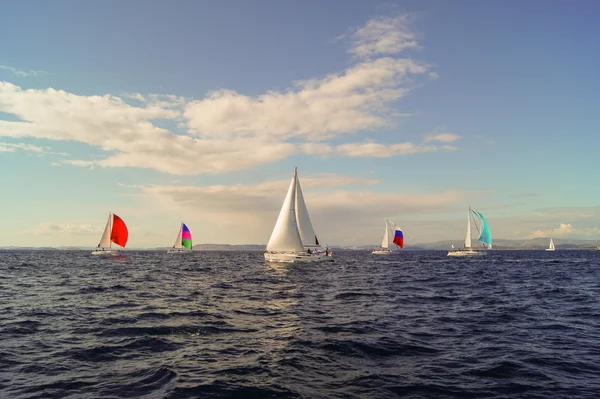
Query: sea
x=415, y=324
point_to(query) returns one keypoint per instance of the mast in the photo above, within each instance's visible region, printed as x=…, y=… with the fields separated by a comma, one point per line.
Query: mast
x=468, y=237
x=110, y=223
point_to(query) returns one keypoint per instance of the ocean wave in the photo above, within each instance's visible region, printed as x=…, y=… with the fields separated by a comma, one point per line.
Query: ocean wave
x=225, y=324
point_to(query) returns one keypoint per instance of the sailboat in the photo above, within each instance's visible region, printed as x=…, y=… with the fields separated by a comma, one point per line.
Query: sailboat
x=551, y=247
x=385, y=243
x=183, y=242
x=293, y=238
x=115, y=231
x=485, y=237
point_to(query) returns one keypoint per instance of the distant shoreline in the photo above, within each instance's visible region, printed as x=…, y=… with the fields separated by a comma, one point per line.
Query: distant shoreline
x=240, y=248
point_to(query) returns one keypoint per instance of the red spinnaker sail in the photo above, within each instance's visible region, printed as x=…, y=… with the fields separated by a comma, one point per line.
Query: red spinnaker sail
x=119, y=233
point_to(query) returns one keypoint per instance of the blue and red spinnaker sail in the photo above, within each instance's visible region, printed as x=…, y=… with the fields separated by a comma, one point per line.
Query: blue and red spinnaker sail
x=399, y=238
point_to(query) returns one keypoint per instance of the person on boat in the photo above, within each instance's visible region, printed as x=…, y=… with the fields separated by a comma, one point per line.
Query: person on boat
x=309, y=251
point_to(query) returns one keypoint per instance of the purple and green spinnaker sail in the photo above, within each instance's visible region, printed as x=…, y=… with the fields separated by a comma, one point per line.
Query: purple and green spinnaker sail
x=186, y=236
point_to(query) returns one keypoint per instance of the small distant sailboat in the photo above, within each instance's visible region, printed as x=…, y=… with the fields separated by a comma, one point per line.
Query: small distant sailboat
x=485, y=237
x=115, y=231
x=183, y=242
x=293, y=238
x=385, y=244
x=551, y=247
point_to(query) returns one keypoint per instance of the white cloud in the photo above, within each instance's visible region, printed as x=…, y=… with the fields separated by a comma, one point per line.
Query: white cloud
x=134, y=96
x=12, y=147
x=23, y=73
x=371, y=149
x=442, y=137
x=50, y=228
x=450, y=147
x=126, y=132
x=384, y=35
x=316, y=148
x=567, y=230
x=354, y=100
x=227, y=130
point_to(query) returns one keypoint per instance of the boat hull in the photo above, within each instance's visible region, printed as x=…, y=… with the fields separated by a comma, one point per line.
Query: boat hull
x=295, y=257
x=105, y=252
x=178, y=251
x=381, y=252
x=465, y=253
x=550, y=249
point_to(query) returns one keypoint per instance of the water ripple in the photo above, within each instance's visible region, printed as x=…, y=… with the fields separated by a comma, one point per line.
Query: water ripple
x=225, y=324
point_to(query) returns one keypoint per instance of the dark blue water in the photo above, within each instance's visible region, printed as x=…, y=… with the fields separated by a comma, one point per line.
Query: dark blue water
x=513, y=324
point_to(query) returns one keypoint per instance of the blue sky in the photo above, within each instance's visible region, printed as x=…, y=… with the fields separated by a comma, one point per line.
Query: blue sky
x=198, y=111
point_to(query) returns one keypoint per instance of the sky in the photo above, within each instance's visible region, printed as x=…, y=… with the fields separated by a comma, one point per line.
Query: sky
x=198, y=111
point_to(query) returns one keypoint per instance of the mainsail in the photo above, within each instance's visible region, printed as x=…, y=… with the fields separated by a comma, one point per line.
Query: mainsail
x=178, y=244
x=105, y=240
x=468, y=236
x=285, y=236
x=386, y=238
x=305, y=227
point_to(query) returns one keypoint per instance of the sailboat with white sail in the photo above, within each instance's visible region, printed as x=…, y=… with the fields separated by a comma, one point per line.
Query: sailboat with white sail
x=293, y=239
x=551, y=247
x=115, y=231
x=485, y=236
x=183, y=242
x=385, y=243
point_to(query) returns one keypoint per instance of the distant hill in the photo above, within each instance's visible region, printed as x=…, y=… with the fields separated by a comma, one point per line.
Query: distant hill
x=534, y=244
x=499, y=244
x=229, y=247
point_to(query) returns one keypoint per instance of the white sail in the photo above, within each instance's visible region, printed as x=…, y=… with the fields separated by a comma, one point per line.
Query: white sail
x=386, y=236
x=285, y=236
x=105, y=240
x=178, y=243
x=468, y=237
x=551, y=244
x=305, y=227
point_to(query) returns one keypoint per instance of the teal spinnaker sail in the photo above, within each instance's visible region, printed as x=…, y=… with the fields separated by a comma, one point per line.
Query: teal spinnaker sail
x=486, y=233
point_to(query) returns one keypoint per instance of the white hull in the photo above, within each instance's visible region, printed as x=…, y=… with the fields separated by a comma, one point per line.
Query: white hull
x=296, y=257
x=106, y=252
x=550, y=249
x=381, y=251
x=466, y=252
x=178, y=251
